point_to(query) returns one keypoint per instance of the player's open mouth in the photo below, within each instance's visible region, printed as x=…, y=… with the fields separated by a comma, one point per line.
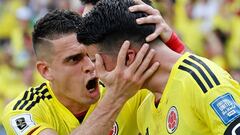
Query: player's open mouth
x=92, y=84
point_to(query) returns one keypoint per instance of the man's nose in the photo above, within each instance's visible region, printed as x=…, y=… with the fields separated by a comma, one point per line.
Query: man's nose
x=89, y=66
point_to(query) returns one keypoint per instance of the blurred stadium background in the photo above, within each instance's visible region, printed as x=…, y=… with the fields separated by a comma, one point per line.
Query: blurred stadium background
x=210, y=28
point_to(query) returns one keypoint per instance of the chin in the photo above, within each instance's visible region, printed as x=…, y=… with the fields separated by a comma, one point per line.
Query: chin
x=93, y=100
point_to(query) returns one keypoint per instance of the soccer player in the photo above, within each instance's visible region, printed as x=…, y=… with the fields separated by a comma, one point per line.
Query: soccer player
x=89, y=4
x=166, y=34
x=66, y=102
x=190, y=94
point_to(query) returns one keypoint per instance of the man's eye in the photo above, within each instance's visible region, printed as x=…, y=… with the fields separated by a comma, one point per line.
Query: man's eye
x=74, y=59
x=93, y=60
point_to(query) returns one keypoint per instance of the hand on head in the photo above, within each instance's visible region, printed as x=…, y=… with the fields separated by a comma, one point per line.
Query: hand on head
x=154, y=17
x=124, y=81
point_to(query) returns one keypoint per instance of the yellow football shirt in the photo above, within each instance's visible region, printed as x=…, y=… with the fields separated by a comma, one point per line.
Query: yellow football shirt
x=200, y=98
x=38, y=108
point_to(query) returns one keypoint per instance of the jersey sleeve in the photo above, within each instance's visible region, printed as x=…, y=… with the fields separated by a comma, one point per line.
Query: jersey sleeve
x=137, y=99
x=23, y=123
x=219, y=109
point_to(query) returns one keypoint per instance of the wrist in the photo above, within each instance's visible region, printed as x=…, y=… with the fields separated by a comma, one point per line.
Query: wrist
x=166, y=35
x=175, y=43
x=115, y=98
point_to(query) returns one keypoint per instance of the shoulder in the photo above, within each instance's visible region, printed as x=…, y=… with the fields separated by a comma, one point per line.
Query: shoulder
x=135, y=101
x=29, y=109
x=29, y=99
x=201, y=72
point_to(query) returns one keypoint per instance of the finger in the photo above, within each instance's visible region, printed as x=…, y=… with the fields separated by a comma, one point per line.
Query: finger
x=100, y=68
x=140, y=55
x=144, y=8
x=145, y=64
x=121, y=60
x=155, y=34
x=149, y=72
x=156, y=19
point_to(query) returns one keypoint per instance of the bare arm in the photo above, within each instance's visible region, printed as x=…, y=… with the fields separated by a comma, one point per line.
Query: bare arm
x=100, y=121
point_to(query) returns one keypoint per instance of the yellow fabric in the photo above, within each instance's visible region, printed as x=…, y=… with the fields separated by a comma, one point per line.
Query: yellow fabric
x=17, y=40
x=220, y=60
x=50, y=113
x=233, y=46
x=8, y=20
x=189, y=30
x=220, y=22
x=195, y=114
x=146, y=116
x=127, y=119
x=11, y=85
x=11, y=81
x=17, y=44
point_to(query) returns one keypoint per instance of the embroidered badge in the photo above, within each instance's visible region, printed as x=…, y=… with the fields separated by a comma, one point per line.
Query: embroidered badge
x=226, y=108
x=114, y=130
x=172, y=120
x=22, y=123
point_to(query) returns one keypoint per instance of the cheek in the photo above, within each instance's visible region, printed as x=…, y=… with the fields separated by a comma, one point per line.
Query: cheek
x=70, y=79
x=62, y=73
x=109, y=63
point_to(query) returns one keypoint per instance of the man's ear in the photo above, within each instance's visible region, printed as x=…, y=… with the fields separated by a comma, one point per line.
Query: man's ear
x=44, y=69
x=131, y=54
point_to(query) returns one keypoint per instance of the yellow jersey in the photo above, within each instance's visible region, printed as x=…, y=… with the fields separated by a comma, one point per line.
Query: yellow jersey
x=37, y=109
x=200, y=98
x=8, y=91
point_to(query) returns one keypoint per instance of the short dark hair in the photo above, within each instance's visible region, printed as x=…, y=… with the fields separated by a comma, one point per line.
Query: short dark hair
x=89, y=1
x=110, y=23
x=149, y=2
x=52, y=26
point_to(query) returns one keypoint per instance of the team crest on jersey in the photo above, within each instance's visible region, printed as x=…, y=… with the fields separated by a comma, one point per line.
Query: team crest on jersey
x=114, y=130
x=172, y=120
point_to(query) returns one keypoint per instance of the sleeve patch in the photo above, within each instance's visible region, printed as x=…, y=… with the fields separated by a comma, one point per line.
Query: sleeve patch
x=22, y=123
x=226, y=108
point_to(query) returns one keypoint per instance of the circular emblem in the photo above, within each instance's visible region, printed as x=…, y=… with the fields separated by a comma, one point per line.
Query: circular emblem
x=114, y=130
x=172, y=120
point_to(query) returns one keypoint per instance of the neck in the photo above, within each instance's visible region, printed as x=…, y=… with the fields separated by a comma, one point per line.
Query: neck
x=73, y=106
x=167, y=58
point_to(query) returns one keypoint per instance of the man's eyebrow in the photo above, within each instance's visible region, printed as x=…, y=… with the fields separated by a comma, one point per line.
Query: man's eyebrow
x=73, y=56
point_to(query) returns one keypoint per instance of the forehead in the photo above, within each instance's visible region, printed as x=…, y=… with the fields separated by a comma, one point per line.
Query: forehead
x=67, y=44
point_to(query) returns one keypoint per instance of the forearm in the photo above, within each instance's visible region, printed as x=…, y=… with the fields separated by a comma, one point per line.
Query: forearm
x=102, y=118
